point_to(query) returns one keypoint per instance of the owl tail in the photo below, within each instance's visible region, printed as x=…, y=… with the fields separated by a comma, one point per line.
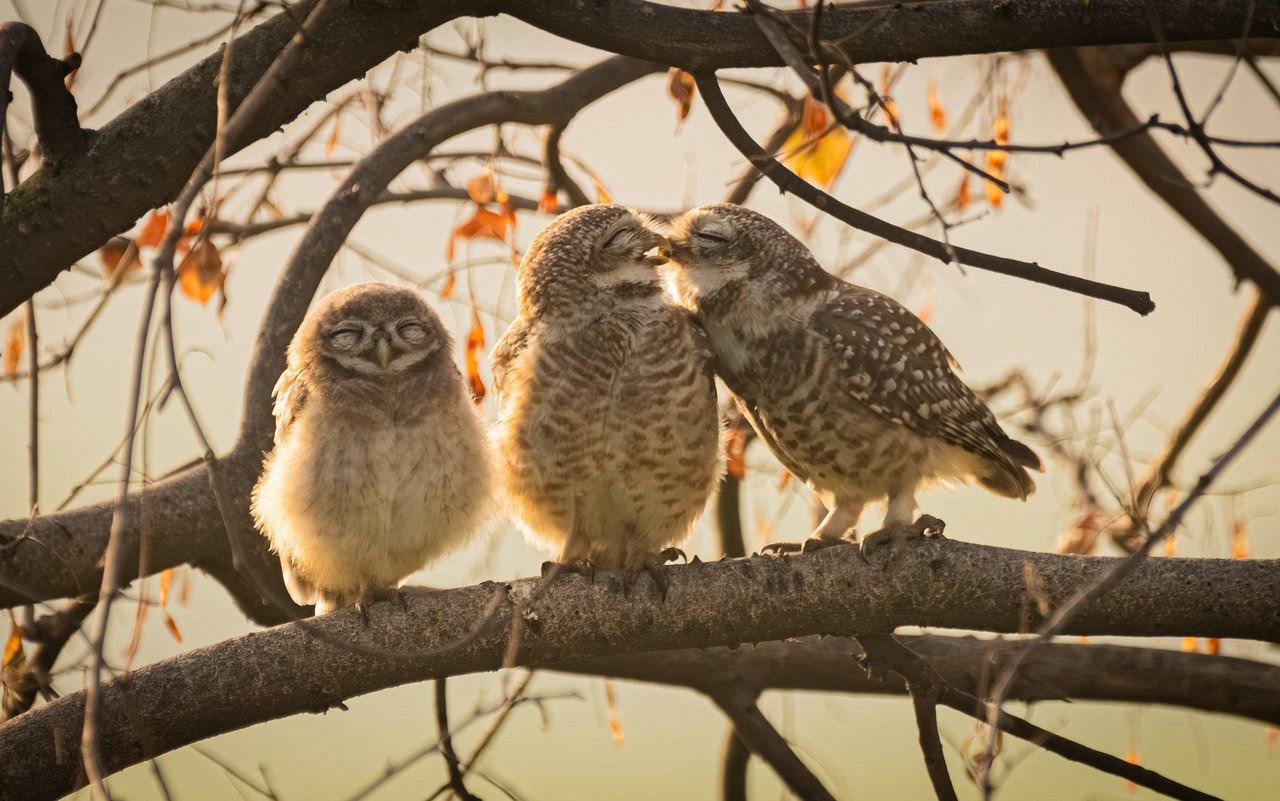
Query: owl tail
x=1008, y=476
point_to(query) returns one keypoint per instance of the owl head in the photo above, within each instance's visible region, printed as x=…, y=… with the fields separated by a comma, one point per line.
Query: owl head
x=724, y=255
x=588, y=255
x=372, y=331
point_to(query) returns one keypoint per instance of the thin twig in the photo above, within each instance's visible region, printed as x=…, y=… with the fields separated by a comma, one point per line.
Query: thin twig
x=790, y=182
x=765, y=742
x=445, y=738
x=1078, y=601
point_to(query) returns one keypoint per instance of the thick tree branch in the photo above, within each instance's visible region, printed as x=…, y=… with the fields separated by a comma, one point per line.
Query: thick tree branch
x=949, y=584
x=53, y=105
x=101, y=189
x=1055, y=672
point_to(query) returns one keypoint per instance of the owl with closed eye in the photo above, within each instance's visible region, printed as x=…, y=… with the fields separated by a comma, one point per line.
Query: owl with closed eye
x=381, y=464
x=608, y=432
x=853, y=393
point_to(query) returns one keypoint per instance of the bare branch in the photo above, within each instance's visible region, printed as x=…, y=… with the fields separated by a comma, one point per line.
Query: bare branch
x=22, y=54
x=790, y=182
x=763, y=740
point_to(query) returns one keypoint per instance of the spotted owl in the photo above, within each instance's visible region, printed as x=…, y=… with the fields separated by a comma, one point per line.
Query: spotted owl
x=608, y=432
x=381, y=463
x=852, y=392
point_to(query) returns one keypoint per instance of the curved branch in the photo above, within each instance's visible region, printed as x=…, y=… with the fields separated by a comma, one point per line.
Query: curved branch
x=288, y=669
x=788, y=181
x=53, y=105
x=760, y=737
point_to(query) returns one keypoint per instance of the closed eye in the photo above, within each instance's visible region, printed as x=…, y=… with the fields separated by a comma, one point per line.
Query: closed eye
x=346, y=337
x=710, y=237
x=412, y=332
x=613, y=237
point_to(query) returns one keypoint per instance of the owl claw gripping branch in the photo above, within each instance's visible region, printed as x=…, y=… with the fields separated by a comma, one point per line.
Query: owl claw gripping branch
x=852, y=392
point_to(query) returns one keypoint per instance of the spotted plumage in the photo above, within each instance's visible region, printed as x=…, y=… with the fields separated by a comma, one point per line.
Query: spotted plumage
x=381, y=464
x=608, y=433
x=852, y=392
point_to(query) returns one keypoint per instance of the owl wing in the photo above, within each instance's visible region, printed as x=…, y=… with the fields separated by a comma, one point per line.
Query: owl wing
x=505, y=353
x=888, y=359
x=290, y=395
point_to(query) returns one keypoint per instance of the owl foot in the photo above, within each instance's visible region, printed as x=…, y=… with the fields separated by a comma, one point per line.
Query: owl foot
x=892, y=535
x=380, y=594
x=654, y=565
x=808, y=546
x=583, y=566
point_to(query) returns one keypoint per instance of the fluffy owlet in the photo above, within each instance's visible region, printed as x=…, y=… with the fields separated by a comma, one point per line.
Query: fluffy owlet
x=852, y=392
x=380, y=463
x=608, y=433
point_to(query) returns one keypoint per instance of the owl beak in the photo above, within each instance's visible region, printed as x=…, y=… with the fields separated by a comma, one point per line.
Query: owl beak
x=662, y=253
x=384, y=351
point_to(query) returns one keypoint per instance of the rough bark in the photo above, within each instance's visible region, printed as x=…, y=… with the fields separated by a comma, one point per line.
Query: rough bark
x=313, y=665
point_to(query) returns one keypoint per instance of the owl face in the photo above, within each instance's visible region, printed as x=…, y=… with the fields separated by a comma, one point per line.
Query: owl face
x=724, y=252
x=371, y=330
x=588, y=253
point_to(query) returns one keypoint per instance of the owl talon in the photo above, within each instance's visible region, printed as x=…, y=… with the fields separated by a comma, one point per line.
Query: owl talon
x=894, y=534
x=671, y=554
x=782, y=548
x=583, y=567
x=379, y=595
x=822, y=543
x=655, y=565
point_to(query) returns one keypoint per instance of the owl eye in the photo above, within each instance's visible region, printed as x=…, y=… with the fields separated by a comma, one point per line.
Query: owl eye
x=412, y=332
x=346, y=338
x=710, y=237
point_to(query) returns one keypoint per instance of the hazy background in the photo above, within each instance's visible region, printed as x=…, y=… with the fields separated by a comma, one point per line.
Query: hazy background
x=1149, y=368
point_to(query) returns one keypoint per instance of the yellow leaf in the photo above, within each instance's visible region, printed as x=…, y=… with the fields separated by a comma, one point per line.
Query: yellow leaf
x=166, y=583
x=1190, y=645
x=813, y=156
x=200, y=275
x=13, y=646
x=615, y=723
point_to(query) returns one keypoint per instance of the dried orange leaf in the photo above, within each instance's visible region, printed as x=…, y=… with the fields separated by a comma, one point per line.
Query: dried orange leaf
x=13, y=646
x=113, y=252
x=602, y=194
x=784, y=480
x=484, y=224
x=995, y=195
x=682, y=89
x=937, y=114
x=450, y=281
x=475, y=343
x=1213, y=646
x=1190, y=645
x=153, y=229
x=200, y=275
x=166, y=583
x=735, y=453
x=188, y=233
x=548, y=202
x=926, y=311
x=505, y=208
x=480, y=188
x=15, y=339
x=1239, y=539
x=1272, y=739
x=171, y=625
x=1083, y=639
x=615, y=723
x=1132, y=758
x=331, y=144
x=1170, y=546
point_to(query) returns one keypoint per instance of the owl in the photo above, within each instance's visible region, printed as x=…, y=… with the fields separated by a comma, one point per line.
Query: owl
x=608, y=431
x=381, y=463
x=853, y=393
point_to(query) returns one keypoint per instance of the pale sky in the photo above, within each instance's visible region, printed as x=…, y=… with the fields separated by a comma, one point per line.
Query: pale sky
x=1149, y=369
